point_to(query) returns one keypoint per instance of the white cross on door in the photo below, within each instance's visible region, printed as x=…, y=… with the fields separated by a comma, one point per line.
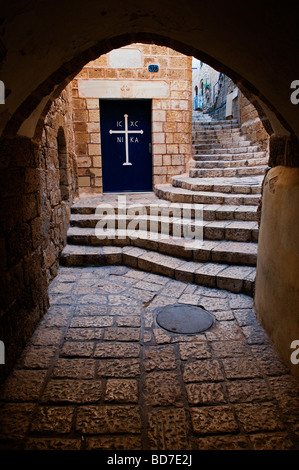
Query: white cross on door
x=126, y=132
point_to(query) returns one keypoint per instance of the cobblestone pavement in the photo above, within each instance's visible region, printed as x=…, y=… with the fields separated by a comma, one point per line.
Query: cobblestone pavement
x=99, y=373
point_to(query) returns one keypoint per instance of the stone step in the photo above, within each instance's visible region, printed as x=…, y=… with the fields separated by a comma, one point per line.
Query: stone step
x=207, y=126
x=228, y=156
x=196, y=119
x=204, y=139
x=217, y=251
x=240, y=185
x=239, y=150
x=238, y=279
x=85, y=216
x=222, y=172
x=207, y=118
x=228, y=143
x=217, y=130
x=177, y=194
x=250, y=162
x=230, y=230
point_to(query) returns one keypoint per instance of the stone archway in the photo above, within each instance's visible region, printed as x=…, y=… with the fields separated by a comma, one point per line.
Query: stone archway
x=56, y=50
x=29, y=117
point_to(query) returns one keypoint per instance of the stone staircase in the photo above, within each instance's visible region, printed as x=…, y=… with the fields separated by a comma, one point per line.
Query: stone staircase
x=224, y=181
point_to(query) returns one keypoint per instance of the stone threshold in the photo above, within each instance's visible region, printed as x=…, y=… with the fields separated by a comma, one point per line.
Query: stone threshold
x=236, y=279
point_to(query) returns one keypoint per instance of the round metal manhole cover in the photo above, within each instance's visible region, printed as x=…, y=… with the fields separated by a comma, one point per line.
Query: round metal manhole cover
x=185, y=319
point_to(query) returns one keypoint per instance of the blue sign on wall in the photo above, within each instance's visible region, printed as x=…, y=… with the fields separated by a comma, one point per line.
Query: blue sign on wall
x=153, y=68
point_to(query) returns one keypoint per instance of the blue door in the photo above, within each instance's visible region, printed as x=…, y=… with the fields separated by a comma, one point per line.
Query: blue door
x=126, y=145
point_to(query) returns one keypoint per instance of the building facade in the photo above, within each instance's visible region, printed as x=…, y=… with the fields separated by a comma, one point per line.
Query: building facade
x=156, y=83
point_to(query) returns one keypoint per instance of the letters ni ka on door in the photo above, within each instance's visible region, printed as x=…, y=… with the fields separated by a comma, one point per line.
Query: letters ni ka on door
x=126, y=145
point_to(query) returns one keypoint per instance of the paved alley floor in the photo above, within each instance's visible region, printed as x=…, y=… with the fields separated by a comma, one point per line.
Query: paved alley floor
x=99, y=372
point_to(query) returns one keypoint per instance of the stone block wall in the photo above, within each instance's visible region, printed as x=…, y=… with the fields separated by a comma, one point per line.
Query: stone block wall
x=23, y=287
x=59, y=185
x=171, y=114
x=33, y=220
x=251, y=124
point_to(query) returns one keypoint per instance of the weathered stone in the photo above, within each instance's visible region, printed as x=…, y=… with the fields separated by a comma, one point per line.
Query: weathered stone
x=23, y=385
x=47, y=337
x=214, y=304
x=117, y=349
x=37, y=357
x=240, y=368
x=268, y=360
x=122, y=334
x=15, y=419
x=79, y=373
x=73, y=391
x=213, y=420
x=206, y=394
x=56, y=321
x=248, y=390
x=264, y=441
x=258, y=417
x=163, y=389
x=133, y=321
x=93, y=310
x=224, y=331
x=108, y=419
x=122, y=391
x=203, y=371
x=255, y=334
x=114, y=442
x=140, y=294
x=119, y=368
x=224, y=315
x=173, y=289
x=122, y=300
x=91, y=322
x=97, y=299
x=77, y=349
x=236, y=442
x=75, y=368
x=159, y=357
x=53, y=419
x=229, y=348
x=168, y=429
x=189, y=299
x=84, y=334
x=150, y=286
x=194, y=351
x=241, y=301
x=245, y=317
x=61, y=443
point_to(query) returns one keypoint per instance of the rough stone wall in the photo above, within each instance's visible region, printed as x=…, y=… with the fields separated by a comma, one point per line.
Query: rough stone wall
x=171, y=116
x=33, y=227
x=23, y=288
x=251, y=125
x=59, y=183
x=218, y=110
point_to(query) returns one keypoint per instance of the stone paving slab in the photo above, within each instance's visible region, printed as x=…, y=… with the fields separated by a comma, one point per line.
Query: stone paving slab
x=99, y=372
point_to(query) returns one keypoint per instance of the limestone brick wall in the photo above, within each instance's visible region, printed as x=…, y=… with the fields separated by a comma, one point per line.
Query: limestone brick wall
x=59, y=184
x=171, y=114
x=33, y=225
x=251, y=125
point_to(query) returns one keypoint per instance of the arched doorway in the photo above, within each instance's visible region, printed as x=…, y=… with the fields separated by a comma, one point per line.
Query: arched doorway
x=46, y=74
